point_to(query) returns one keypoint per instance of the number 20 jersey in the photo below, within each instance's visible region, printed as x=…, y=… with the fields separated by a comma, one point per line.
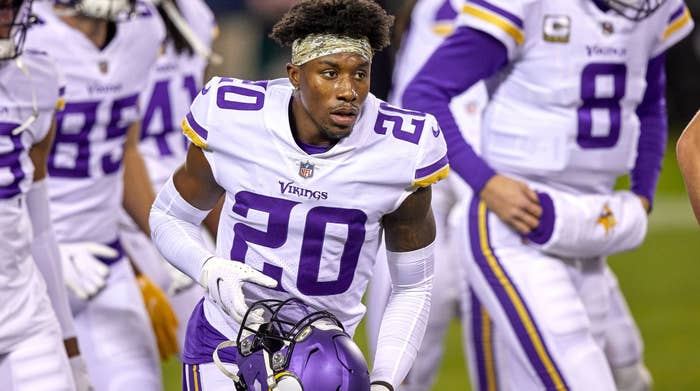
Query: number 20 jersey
x=310, y=221
x=102, y=92
x=563, y=113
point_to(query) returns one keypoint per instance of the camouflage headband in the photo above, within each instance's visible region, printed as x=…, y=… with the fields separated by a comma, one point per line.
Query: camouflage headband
x=314, y=46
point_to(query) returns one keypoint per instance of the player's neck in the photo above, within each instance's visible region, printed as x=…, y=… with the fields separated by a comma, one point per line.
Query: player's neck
x=96, y=30
x=306, y=129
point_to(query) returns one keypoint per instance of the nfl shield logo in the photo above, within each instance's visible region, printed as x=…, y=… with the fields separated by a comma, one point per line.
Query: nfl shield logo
x=306, y=170
x=103, y=66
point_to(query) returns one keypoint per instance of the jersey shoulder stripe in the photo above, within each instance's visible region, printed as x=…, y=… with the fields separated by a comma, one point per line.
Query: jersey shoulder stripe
x=432, y=173
x=194, y=131
x=508, y=22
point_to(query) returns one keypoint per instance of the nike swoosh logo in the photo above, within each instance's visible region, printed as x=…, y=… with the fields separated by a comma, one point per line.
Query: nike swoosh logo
x=436, y=132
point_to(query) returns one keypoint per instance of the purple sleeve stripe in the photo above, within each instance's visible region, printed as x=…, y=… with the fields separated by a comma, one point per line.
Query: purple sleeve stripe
x=431, y=169
x=677, y=13
x=196, y=127
x=501, y=12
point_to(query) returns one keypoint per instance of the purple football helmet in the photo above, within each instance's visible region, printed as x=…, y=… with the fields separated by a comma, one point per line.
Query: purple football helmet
x=15, y=19
x=288, y=345
x=101, y=9
x=634, y=9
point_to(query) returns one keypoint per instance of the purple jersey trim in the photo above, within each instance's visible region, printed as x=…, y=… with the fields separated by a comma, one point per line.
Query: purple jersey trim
x=431, y=169
x=511, y=17
x=465, y=57
x=653, y=132
x=677, y=13
x=202, y=338
x=203, y=133
x=544, y=230
x=312, y=149
x=446, y=12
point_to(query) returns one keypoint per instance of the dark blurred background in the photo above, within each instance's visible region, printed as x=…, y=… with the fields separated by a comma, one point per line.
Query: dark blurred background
x=250, y=54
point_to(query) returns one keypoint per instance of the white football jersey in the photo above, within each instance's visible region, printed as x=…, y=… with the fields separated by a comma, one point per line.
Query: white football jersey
x=17, y=96
x=103, y=86
x=565, y=113
x=174, y=82
x=312, y=222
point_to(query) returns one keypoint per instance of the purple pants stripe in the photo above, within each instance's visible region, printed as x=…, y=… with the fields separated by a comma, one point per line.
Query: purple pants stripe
x=191, y=380
x=482, y=336
x=511, y=301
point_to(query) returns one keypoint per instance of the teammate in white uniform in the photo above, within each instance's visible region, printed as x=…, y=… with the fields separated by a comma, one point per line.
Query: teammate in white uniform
x=32, y=353
x=313, y=169
x=577, y=99
x=174, y=82
x=431, y=21
x=105, y=64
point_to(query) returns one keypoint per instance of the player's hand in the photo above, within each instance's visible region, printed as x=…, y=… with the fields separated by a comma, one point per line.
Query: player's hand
x=179, y=281
x=513, y=202
x=163, y=319
x=223, y=280
x=80, y=374
x=83, y=273
x=645, y=203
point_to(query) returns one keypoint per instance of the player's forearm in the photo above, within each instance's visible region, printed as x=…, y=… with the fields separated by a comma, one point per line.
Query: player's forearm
x=653, y=132
x=47, y=256
x=406, y=315
x=688, y=153
x=464, y=59
x=175, y=230
x=138, y=190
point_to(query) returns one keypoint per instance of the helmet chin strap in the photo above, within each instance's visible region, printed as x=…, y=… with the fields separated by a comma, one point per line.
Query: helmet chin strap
x=184, y=28
x=35, y=107
x=220, y=365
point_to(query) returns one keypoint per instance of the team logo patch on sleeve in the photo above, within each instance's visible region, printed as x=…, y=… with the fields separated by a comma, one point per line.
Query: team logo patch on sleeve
x=306, y=170
x=607, y=219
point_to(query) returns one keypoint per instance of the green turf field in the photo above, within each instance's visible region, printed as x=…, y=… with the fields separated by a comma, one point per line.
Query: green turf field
x=660, y=281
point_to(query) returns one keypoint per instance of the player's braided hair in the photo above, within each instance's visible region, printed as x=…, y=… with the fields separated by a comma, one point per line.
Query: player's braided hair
x=173, y=33
x=351, y=18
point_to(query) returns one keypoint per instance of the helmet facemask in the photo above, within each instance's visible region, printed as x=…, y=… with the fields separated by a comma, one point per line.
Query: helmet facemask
x=15, y=19
x=290, y=346
x=634, y=9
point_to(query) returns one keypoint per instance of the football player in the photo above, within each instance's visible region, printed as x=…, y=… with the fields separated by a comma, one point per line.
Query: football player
x=687, y=151
x=174, y=82
x=431, y=21
x=32, y=340
x=577, y=99
x=99, y=46
x=314, y=169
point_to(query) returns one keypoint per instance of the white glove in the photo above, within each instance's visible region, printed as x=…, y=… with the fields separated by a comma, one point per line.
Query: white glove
x=223, y=278
x=80, y=374
x=83, y=273
x=179, y=281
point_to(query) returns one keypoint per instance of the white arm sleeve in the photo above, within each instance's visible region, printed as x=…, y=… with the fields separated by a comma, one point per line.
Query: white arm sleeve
x=175, y=231
x=406, y=315
x=47, y=256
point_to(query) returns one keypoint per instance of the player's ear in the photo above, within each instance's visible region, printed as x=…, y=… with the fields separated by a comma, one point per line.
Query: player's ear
x=293, y=73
